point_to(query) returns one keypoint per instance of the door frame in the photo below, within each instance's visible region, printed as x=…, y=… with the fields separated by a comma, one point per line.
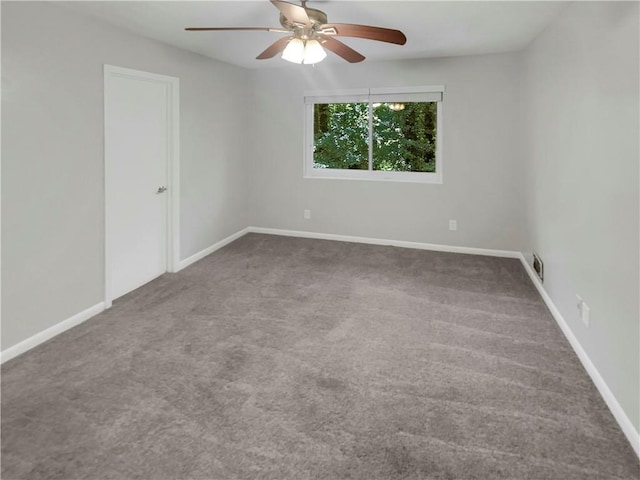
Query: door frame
x=173, y=168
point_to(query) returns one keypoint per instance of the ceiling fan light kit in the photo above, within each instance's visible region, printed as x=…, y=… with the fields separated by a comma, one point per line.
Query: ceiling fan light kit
x=294, y=51
x=310, y=32
x=313, y=52
x=304, y=51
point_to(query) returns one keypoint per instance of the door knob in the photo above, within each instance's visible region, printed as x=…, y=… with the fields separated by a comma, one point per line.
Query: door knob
x=161, y=189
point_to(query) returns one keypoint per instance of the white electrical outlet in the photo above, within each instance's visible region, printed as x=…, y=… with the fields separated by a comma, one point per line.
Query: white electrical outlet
x=307, y=214
x=584, y=314
x=453, y=225
x=583, y=310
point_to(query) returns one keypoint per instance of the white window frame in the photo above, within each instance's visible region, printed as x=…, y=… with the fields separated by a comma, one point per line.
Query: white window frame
x=373, y=95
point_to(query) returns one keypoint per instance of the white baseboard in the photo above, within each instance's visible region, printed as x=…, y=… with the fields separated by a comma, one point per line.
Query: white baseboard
x=50, y=332
x=209, y=250
x=393, y=243
x=77, y=319
x=618, y=413
x=616, y=409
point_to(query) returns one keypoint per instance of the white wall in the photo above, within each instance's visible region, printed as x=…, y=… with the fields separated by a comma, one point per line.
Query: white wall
x=582, y=155
x=482, y=179
x=52, y=157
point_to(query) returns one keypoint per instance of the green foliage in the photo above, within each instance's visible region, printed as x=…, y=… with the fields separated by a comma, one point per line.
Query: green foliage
x=341, y=132
x=403, y=140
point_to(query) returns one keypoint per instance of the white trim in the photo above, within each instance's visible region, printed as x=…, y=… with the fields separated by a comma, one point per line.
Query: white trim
x=633, y=436
x=370, y=143
x=209, y=250
x=49, y=333
x=173, y=263
x=439, y=175
x=392, y=243
x=337, y=93
x=419, y=89
x=0, y=195
x=173, y=170
x=374, y=91
x=406, y=97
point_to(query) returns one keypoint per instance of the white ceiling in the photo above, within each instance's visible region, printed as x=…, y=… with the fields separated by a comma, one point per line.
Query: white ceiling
x=433, y=29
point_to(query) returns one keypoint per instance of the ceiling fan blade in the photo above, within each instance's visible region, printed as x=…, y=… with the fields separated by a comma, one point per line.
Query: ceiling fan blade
x=275, y=48
x=365, y=31
x=222, y=29
x=339, y=48
x=292, y=12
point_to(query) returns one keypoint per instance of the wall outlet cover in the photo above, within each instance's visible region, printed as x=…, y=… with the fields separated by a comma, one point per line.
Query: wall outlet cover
x=584, y=314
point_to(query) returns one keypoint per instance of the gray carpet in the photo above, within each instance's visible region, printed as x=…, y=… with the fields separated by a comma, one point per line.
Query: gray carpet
x=284, y=358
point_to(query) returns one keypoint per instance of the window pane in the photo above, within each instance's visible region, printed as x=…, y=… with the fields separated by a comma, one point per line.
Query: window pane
x=341, y=135
x=404, y=136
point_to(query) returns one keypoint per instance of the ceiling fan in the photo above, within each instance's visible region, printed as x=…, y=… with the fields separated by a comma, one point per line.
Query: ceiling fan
x=310, y=32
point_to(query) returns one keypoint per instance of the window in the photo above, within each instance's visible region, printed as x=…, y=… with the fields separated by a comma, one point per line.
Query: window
x=376, y=134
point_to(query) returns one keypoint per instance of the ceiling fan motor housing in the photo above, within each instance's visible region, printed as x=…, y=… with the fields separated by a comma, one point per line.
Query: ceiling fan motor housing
x=317, y=18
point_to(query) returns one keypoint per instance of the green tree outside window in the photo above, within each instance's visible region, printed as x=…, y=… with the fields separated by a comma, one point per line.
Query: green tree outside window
x=404, y=136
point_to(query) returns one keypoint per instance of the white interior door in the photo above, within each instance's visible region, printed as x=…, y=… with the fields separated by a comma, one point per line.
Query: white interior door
x=138, y=149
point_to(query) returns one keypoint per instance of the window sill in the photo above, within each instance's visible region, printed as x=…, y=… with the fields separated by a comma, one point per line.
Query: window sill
x=400, y=177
